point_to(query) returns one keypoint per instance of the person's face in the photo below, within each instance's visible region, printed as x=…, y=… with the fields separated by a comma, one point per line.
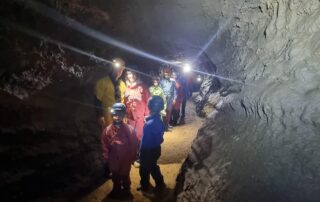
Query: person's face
x=155, y=82
x=117, y=73
x=131, y=77
x=117, y=118
x=166, y=75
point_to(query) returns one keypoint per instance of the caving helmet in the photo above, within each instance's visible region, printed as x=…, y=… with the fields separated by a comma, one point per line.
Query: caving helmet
x=155, y=104
x=118, y=63
x=118, y=109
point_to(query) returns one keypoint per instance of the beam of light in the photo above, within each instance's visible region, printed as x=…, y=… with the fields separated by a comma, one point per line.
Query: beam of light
x=52, y=41
x=210, y=41
x=219, y=77
x=58, y=17
x=63, y=45
x=91, y=56
x=187, y=67
x=66, y=21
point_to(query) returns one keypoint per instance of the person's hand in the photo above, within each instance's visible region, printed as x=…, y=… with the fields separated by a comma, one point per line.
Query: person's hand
x=125, y=120
x=163, y=113
x=145, y=118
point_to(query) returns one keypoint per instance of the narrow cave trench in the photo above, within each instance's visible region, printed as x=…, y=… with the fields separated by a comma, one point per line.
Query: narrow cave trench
x=252, y=125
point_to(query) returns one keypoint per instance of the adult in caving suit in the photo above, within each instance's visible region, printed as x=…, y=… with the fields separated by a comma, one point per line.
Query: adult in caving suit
x=136, y=100
x=179, y=100
x=169, y=89
x=108, y=90
x=187, y=94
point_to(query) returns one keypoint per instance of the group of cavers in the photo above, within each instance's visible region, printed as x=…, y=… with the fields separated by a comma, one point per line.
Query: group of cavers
x=133, y=119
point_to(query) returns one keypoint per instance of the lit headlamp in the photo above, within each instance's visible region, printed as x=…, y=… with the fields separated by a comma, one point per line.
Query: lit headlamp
x=186, y=68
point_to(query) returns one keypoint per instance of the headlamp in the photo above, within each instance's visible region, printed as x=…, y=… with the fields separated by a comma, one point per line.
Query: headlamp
x=116, y=64
x=112, y=111
x=186, y=68
x=199, y=79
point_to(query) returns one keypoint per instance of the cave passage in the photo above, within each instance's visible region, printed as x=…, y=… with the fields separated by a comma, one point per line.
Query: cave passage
x=252, y=125
x=49, y=106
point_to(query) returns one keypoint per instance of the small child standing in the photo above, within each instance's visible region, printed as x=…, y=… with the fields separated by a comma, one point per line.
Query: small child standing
x=150, y=148
x=155, y=89
x=119, y=149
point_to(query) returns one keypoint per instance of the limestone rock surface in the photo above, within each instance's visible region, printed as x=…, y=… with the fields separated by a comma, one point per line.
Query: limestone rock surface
x=263, y=145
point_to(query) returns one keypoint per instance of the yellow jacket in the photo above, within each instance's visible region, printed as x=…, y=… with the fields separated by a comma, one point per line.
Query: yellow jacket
x=105, y=93
x=122, y=87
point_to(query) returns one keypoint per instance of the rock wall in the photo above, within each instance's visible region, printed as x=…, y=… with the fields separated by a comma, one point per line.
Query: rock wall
x=48, y=126
x=50, y=141
x=263, y=143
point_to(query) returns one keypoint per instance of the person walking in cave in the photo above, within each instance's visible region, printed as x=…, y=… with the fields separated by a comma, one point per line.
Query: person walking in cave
x=186, y=95
x=177, y=104
x=169, y=89
x=150, y=148
x=119, y=149
x=109, y=89
x=136, y=100
x=155, y=89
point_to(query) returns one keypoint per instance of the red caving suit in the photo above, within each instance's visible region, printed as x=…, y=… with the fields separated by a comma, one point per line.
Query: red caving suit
x=136, y=100
x=119, y=149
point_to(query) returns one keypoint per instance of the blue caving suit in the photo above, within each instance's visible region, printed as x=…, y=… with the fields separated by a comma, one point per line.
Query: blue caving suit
x=169, y=89
x=150, y=151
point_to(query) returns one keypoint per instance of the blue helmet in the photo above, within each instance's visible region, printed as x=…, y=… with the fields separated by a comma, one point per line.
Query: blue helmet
x=118, y=109
x=155, y=104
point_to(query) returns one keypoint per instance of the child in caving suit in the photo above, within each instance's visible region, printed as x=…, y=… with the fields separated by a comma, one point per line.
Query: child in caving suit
x=119, y=147
x=150, y=148
x=155, y=89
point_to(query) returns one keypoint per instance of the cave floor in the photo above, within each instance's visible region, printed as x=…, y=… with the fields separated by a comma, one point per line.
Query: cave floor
x=176, y=146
